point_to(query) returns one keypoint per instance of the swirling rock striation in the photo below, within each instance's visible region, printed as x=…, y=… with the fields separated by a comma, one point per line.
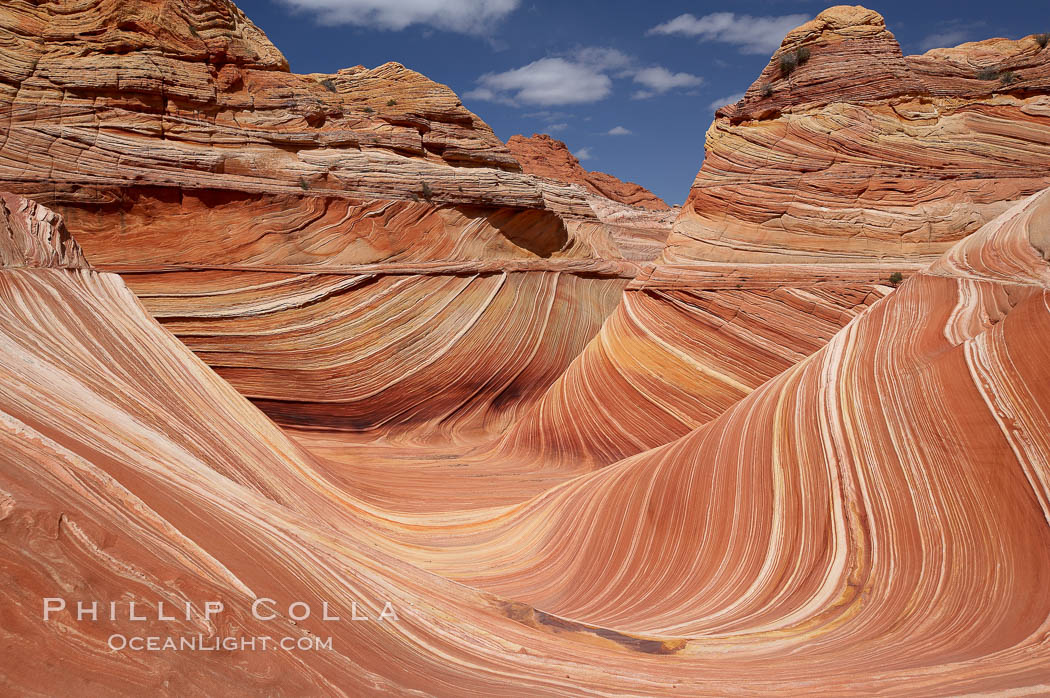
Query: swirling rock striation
x=33, y=236
x=173, y=138
x=761, y=468
x=437, y=355
x=873, y=519
x=685, y=344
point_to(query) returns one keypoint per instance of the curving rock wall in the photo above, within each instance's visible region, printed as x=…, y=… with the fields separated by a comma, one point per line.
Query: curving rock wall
x=874, y=519
x=173, y=138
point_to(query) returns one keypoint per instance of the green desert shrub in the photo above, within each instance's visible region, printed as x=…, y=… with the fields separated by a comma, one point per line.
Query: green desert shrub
x=896, y=277
x=766, y=91
x=988, y=74
x=329, y=85
x=368, y=110
x=1009, y=77
x=391, y=103
x=1042, y=40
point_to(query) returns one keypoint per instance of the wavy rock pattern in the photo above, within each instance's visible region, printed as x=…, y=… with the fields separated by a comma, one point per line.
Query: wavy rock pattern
x=874, y=519
x=571, y=474
x=860, y=153
x=33, y=236
x=682, y=347
x=172, y=137
x=883, y=505
x=376, y=351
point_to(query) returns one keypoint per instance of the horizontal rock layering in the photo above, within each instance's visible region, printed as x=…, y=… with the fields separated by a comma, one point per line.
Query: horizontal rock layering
x=860, y=153
x=548, y=157
x=172, y=137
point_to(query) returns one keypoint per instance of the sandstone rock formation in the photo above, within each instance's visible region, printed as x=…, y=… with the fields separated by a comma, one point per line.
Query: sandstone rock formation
x=873, y=519
x=861, y=154
x=754, y=466
x=33, y=236
x=684, y=345
x=124, y=114
x=793, y=225
x=637, y=220
x=548, y=157
x=305, y=209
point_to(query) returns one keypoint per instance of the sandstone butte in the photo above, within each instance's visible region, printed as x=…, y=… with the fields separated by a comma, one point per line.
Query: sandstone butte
x=268, y=218
x=282, y=367
x=544, y=156
x=638, y=220
x=861, y=153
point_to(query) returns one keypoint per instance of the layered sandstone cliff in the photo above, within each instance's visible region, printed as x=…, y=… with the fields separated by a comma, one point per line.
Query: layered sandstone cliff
x=845, y=150
x=548, y=157
x=130, y=117
x=273, y=219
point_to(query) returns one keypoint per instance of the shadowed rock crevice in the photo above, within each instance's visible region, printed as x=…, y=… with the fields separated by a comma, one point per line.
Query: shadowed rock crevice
x=539, y=232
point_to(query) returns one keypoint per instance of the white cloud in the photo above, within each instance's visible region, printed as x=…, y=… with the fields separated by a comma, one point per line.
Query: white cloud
x=583, y=154
x=953, y=37
x=618, y=131
x=462, y=16
x=952, y=33
x=751, y=34
x=551, y=128
x=583, y=76
x=658, y=80
x=721, y=102
x=548, y=81
x=603, y=58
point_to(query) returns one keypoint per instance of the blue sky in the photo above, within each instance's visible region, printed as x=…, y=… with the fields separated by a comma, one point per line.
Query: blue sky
x=629, y=86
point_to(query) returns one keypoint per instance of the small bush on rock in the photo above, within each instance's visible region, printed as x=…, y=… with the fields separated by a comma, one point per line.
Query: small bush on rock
x=788, y=63
x=793, y=59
